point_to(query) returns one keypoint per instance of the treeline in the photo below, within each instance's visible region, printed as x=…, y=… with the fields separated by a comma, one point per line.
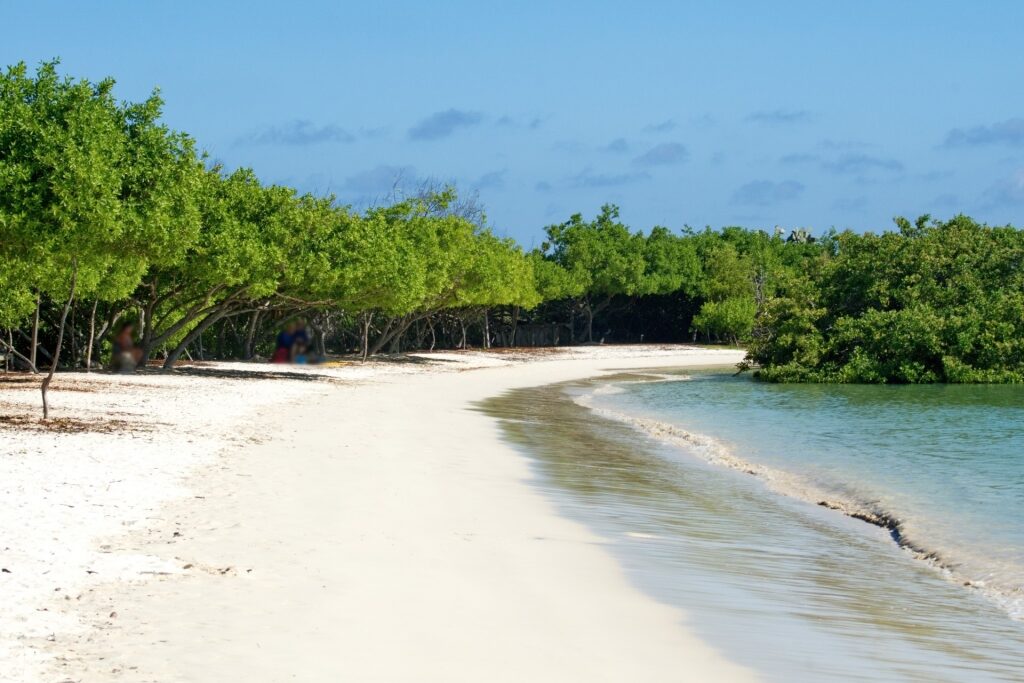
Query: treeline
x=107, y=216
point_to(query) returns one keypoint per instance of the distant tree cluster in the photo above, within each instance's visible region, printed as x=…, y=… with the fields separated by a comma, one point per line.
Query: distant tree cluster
x=107, y=215
x=931, y=302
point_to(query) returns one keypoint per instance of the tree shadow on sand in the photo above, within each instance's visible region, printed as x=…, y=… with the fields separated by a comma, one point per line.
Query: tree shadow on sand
x=228, y=373
x=202, y=369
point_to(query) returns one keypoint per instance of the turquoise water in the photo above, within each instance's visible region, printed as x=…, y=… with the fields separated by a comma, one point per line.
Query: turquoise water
x=943, y=465
x=706, y=487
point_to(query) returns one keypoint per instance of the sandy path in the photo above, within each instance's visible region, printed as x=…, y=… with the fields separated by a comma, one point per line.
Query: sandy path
x=385, y=533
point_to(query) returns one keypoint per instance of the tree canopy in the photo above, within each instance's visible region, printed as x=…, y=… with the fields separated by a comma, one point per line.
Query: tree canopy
x=932, y=301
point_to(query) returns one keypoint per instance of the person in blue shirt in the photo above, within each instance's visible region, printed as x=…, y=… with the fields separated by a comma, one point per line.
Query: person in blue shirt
x=285, y=342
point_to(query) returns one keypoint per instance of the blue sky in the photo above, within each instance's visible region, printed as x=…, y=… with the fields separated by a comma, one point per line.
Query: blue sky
x=714, y=113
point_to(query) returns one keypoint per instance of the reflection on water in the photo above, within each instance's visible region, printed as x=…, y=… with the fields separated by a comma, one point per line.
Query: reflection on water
x=787, y=588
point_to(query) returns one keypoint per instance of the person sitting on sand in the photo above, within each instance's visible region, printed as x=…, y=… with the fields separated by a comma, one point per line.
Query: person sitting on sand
x=126, y=355
x=300, y=338
x=285, y=342
x=299, y=352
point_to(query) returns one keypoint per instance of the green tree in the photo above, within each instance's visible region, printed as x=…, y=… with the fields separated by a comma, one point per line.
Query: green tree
x=603, y=257
x=931, y=302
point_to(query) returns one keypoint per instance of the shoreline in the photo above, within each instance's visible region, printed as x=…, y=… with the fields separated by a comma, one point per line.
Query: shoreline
x=788, y=484
x=428, y=555
x=757, y=569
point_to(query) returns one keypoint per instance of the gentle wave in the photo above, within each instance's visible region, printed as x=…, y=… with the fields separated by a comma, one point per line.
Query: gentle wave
x=1008, y=595
x=616, y=387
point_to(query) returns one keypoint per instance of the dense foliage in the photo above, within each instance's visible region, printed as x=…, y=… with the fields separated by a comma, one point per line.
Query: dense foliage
x=931, y=302
x=107, y=215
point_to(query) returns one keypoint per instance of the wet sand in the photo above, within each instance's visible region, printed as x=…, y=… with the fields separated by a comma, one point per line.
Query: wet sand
x=789, y=588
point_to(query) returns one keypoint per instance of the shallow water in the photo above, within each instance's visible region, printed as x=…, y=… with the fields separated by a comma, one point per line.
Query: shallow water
x=794, y=590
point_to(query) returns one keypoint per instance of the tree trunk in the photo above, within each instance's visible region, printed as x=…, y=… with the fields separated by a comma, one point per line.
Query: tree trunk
x=397, y=337
x=39, y=347
x=200, y=308
x=196, y=333
x=420, y=334
x=515, y=324
x=392, y=334
x=92, y=337
x=239, y=348
x=35, y=332
x=318, y=337
x=384, y=338
x=108, y=324
x=366, y=322
x=60, y=338
x=590, y=323
x=219, y=339
x=10, y=347
x=487, y=331
x=74, y=346
x=146, y=330
x=250, y=334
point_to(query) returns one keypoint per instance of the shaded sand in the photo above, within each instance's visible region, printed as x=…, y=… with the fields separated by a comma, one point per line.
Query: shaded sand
x=372, y=529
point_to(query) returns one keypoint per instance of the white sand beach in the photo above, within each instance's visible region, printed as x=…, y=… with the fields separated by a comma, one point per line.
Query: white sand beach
x=363, y=525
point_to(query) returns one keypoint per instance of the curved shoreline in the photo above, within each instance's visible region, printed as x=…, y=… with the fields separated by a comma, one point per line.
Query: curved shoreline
x=714, y=452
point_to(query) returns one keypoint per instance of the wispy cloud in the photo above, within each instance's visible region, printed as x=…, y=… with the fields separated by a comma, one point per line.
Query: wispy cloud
x=617, y=146
x=513, y=122
x=766, y=192
x=800, y=158
x=377, y=181
x=373, y=133
x=442, y=124
x=850, y=203
x=587, y=178
x=319, y=184
x=861, y=163
x=829, y=143
x=851, y=163
x=663, y=127
x=494, y=180
x=1007, y=192
x=779, y=116
x=542, y=186
x=665, y=154
x=569, y=147
x=553, y=209
x=298, y=133
x=1009, y=132
x=932, y=176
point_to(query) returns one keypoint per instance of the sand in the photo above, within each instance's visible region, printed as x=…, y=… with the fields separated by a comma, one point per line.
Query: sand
x=357, y=523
